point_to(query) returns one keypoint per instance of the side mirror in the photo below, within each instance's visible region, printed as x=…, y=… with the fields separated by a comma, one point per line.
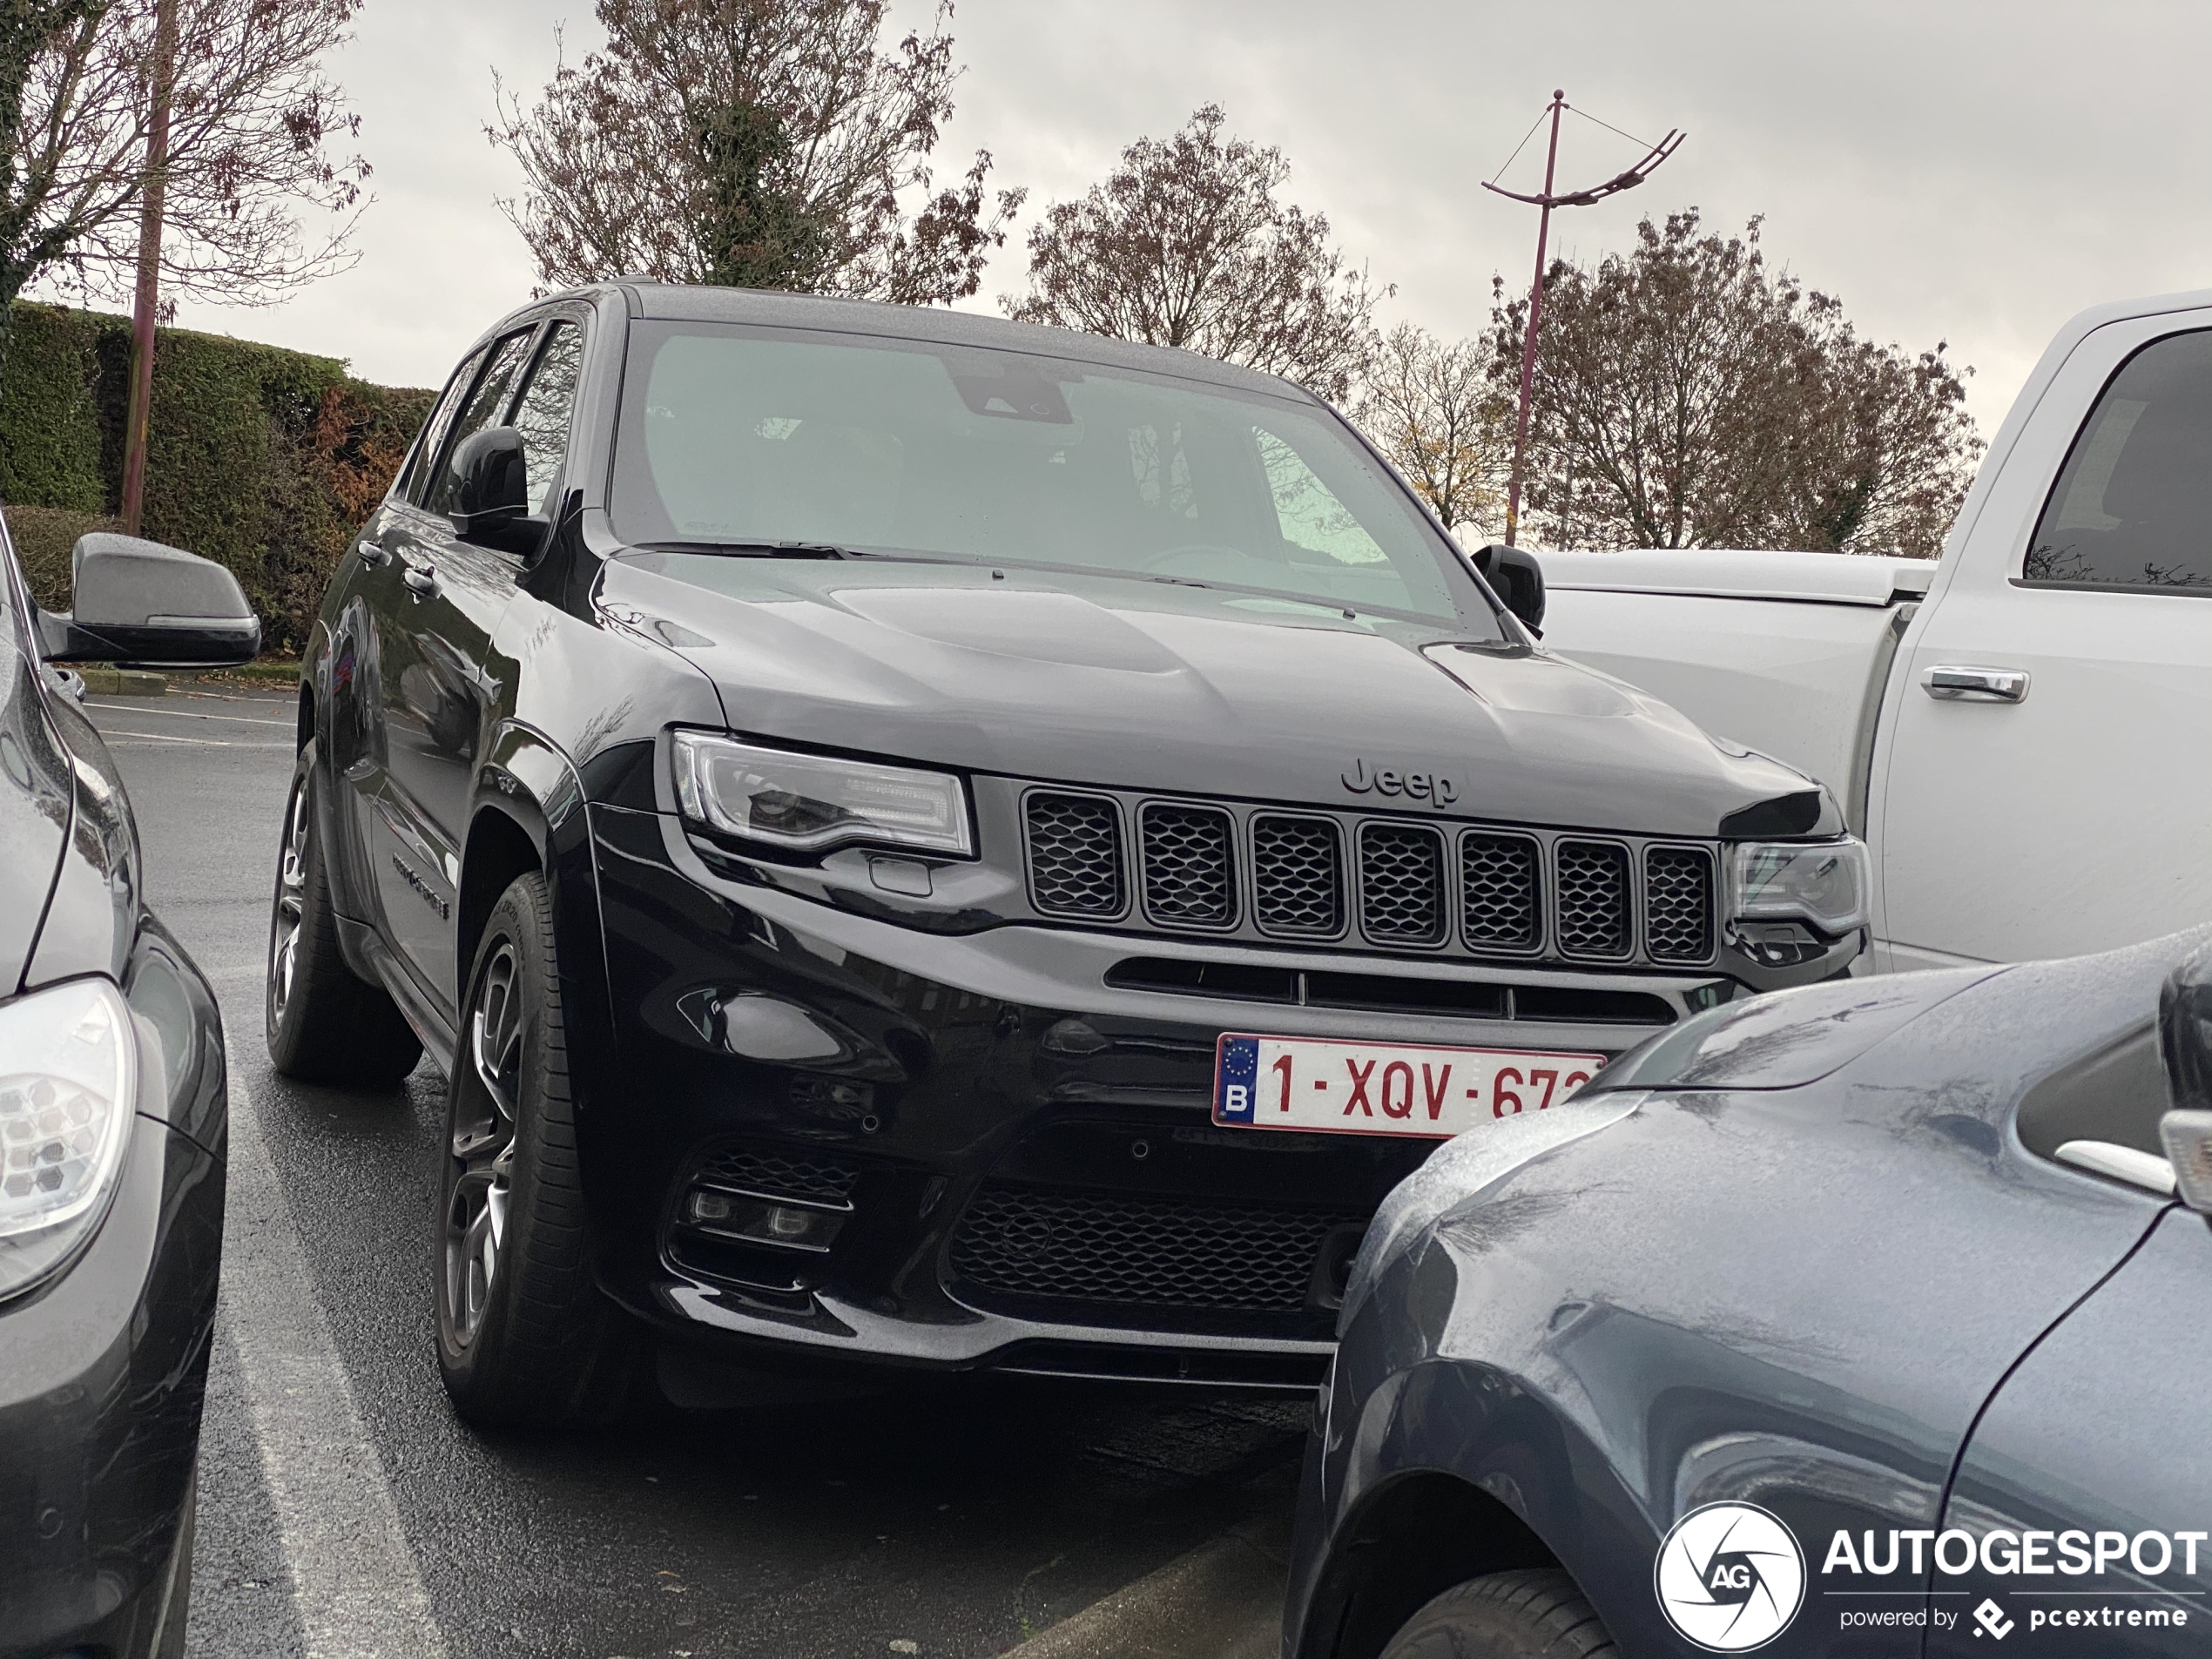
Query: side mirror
x=1517, y=579
x=2185, y=1045
x=491, y=491
x=136, y=601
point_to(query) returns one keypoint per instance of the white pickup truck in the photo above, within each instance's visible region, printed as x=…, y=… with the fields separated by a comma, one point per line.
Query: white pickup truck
x=2021, y=730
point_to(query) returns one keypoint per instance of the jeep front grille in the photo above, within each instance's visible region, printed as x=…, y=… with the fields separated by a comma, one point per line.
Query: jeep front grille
x=1400, y=884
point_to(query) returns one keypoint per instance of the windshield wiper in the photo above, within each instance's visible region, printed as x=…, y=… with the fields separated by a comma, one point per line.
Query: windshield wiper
x=758, y=549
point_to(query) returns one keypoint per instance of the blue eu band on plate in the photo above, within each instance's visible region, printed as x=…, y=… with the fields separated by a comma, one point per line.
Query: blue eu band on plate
x=1314, y=1084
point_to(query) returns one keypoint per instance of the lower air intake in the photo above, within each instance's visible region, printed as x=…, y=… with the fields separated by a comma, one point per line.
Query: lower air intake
x=1141, y=1252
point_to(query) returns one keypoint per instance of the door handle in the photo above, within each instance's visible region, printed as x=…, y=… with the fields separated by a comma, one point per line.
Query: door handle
x=421, y=580
x=1977, y=685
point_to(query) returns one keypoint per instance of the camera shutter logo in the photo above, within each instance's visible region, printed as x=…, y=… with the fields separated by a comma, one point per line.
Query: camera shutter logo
x=1730, y=1577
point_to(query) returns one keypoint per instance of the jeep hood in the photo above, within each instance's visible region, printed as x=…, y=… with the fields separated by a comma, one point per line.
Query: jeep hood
x=1131, y=684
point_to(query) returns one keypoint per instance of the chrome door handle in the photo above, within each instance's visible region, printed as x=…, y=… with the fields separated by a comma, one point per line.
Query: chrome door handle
x=421, y=580
x=1977, y=685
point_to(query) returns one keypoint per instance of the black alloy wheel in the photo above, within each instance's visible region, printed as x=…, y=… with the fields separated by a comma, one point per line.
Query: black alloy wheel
x=1530, y=1613
x=524, y=1335
x=324, y=1025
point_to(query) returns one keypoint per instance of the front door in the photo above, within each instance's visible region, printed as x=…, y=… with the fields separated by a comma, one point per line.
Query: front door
x=2043, y=793
x=2087, y=1487
x=437, y=689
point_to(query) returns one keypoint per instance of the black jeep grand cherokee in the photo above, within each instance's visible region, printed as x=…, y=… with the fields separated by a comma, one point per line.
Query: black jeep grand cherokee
x=874, y=808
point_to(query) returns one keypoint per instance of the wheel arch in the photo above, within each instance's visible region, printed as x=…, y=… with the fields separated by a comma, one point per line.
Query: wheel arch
x=1413, y=1537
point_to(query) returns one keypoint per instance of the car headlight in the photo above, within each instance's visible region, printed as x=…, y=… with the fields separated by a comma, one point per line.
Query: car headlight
x=807, y=803
x=1821, y=882
x=68, y=1064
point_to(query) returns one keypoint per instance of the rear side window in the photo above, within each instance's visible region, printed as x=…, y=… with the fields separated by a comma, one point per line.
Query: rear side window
x=478, y=411
x=435, y=429
x=542, y=416
x=2132, y=505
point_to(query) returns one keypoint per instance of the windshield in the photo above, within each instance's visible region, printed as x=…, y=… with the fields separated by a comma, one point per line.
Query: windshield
x=754, y=436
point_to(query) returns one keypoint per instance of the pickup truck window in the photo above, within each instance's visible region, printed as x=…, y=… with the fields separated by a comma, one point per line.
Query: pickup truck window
x=2132, y=503
x=745, y=438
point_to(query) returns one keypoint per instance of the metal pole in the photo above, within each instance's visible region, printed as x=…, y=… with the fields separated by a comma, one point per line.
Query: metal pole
x=151, y=193
x=1535, y=311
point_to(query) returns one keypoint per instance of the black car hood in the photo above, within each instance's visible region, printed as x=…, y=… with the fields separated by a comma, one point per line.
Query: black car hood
x=1134, y=684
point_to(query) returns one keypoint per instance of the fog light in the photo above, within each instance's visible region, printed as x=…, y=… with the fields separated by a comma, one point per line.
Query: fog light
x=762, y=1221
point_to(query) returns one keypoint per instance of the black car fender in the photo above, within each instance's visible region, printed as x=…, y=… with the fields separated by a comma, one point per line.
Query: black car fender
x=527, y=811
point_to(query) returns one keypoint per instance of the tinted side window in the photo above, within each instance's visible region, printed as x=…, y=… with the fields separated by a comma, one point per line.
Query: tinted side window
x=483, y=404
x=434, y=429
x=2132, y=505
x=542, y=416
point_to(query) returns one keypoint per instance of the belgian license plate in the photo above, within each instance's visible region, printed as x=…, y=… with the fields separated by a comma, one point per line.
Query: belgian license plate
x=1313, y=1083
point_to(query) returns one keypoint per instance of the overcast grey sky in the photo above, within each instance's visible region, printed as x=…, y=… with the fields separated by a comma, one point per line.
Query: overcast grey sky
x=1969, y=171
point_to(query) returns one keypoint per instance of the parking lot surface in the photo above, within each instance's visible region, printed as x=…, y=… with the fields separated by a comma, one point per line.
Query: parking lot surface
x=344, y=1511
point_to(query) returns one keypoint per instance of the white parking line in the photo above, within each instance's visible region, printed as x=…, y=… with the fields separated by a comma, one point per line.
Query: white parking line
x=114, y=733
x=142, y=705
x=355, y=1587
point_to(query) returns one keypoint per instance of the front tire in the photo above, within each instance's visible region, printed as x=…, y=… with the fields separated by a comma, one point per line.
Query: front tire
x=524, y=1335
x=1530, y=1613
x=323, y=1024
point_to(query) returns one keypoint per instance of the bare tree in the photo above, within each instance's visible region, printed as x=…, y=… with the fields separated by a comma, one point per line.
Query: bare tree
x=756, y=142
x=1686, y=396
x=1187, y=244
x=253, y=127
x=1432, y=409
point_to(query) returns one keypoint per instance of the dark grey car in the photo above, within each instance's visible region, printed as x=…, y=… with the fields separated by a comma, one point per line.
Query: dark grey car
x=1860, y=1320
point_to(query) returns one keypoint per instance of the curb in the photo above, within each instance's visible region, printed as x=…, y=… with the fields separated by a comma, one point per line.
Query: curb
x=1223, y=1599
x=121, y=682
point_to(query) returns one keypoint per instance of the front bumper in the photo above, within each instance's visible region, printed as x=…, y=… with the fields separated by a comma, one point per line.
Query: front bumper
x=1010, y=1134
x=102, y=1373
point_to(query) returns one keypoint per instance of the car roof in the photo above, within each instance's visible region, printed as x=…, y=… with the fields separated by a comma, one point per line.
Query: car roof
x=938, y=325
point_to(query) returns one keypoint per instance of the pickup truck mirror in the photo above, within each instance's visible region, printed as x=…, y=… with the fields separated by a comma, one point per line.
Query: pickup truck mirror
x=1517, y=579
x=134, y=601
x=491, y=491
x=2185, y=1045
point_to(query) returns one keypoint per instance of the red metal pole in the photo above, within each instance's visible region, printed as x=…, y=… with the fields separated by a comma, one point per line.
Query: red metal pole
x=148, y=300
x=1535, y=312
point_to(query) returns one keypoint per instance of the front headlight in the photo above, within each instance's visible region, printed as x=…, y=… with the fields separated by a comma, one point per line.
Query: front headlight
x=1822, y=882
x=68, y=1064
x=807, y=803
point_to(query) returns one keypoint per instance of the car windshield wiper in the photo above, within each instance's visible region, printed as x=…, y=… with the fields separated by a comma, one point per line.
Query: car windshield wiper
x=758, y=549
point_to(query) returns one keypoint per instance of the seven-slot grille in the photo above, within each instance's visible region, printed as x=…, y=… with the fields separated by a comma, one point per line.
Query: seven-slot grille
x=1390, y=883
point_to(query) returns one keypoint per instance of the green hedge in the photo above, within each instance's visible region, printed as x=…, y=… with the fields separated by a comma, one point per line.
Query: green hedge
x=264, y=459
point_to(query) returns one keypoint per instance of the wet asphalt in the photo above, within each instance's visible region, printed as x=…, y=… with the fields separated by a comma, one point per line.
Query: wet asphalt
x=948, y=1520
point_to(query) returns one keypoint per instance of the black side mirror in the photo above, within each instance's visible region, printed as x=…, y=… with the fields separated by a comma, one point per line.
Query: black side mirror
x=491, y=491
x=1517, y=579
x=135, y=601
x=2185, y=1044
